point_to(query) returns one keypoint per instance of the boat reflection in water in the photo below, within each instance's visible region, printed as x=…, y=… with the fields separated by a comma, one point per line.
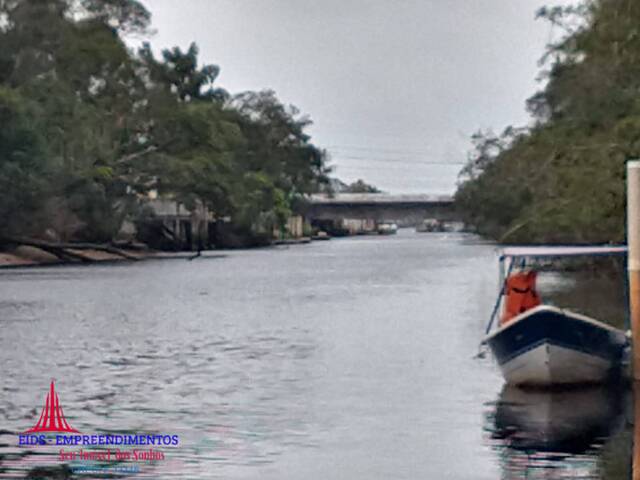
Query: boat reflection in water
x=577, y=433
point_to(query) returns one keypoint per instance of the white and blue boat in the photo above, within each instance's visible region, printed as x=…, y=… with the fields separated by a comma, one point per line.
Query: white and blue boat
x=543, y=345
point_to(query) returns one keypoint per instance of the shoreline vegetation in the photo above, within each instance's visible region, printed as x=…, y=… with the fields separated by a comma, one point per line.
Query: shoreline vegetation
x=561, y=178
x=100, y=143
x=104, y=145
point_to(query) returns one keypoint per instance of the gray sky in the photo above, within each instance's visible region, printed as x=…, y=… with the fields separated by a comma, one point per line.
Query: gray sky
x=395, y=87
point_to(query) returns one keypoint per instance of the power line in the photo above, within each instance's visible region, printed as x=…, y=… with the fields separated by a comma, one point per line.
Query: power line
x=389, y=167
x=381, y=149
x=389, y=156
x=397, y=161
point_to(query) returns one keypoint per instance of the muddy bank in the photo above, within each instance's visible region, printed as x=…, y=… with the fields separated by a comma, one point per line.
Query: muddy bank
x=43, y=253
x=27, y=255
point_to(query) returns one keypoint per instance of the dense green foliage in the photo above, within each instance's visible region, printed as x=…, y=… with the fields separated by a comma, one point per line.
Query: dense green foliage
x=562, y=178
x=90, y=128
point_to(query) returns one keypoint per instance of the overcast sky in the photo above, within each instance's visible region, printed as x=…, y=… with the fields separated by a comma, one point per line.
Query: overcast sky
x=395, y=87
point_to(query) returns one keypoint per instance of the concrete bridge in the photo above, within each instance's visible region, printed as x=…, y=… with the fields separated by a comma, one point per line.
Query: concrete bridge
x=404, y=210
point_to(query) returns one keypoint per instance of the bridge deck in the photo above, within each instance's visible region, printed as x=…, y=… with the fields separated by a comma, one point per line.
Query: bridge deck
x=379, y=199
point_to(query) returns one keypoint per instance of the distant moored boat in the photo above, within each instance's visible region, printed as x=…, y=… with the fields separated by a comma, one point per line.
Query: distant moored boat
x=387, y=228
x=430, y=225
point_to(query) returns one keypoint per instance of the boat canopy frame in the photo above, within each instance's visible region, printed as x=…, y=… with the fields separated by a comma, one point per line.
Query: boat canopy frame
x=561, y=251
x=511, y=256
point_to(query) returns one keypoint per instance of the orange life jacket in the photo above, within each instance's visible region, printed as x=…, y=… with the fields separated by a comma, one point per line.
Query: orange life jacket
x=520, y=295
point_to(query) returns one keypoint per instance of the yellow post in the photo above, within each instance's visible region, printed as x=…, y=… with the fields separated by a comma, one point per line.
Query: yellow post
x=633, y=267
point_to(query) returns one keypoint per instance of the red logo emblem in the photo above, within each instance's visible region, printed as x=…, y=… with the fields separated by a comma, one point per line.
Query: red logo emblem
x=52, y=419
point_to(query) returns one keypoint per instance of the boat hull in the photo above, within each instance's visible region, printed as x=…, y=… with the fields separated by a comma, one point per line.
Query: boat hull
x=548, y=346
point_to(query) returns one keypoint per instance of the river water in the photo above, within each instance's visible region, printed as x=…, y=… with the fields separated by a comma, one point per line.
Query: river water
x=347, y=359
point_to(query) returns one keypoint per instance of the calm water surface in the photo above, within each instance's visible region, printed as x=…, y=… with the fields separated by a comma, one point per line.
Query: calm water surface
x=348, y=359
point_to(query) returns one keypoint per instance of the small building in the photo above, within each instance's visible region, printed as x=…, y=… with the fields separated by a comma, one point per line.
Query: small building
x=182, y=228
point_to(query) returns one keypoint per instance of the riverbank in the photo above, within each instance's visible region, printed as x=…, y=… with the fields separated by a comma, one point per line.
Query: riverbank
x=46, y=254
x=27, y=256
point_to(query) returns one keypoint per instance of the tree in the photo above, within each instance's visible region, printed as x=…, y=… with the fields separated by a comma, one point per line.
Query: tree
x=360, y=186
x=68, y=58
x=22, y=166
x=286, y=164
x=562, y=180
x=180, y=73
x=110, y=125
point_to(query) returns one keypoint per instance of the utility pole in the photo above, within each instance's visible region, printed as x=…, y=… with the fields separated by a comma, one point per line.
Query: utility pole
x=633, y=267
